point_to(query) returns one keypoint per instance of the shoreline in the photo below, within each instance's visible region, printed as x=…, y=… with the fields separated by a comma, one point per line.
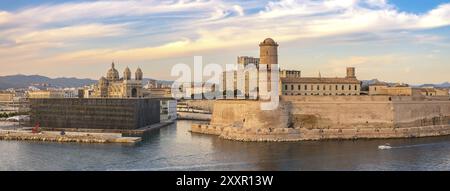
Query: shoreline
x=81, y=135
x=303, y=134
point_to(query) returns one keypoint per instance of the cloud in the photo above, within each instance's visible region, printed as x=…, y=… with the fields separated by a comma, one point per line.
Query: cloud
x=146, y=30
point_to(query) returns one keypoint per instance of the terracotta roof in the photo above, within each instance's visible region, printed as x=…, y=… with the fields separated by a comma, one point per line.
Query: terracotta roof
x=312, y=80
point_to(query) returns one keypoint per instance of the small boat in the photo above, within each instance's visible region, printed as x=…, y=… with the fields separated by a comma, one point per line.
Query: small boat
x=385, y=146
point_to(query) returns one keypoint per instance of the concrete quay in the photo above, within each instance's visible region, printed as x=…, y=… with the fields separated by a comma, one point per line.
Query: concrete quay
x=77, y=137
x=125, y=132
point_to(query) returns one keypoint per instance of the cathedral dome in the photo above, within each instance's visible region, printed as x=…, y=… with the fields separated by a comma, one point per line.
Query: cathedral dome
x=127, y=74
x=138, y=74
x=113, y=74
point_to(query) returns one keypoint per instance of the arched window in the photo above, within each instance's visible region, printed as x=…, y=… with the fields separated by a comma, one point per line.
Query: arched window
x=134, y=92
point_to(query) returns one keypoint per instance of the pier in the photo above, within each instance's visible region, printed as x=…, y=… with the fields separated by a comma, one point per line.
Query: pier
x=76, y=137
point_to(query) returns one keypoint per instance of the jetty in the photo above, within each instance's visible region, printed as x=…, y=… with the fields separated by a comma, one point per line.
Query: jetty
x=75, y=137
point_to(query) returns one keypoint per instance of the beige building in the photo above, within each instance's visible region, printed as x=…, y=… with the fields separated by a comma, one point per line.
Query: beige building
x=160, y=92
x=321, y=86
x=6, y=96
x=246, y=60
x=380, y=88
x=384, y=89
x=46, y=94
x=114, y=87
x=430, y=91
x=290, y=74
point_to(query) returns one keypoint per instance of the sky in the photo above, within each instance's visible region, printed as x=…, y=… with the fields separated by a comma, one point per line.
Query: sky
x=391, y=40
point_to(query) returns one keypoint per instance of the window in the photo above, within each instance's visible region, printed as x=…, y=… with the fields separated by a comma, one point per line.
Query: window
x=342, y=87
x=292, y=87
x=299, y=87
x=335, y=88
x=306, y=87
x=318, y=87
x=349, y=87
x=356, y=87
x=285, y=87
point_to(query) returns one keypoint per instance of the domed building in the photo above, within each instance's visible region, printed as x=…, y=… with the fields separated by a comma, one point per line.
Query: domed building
x=115, y=87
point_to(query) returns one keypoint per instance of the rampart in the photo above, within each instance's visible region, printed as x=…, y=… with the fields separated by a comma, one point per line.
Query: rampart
x=330, y=117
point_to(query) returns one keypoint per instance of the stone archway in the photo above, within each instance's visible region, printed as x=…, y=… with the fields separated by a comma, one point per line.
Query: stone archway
x=134, y=92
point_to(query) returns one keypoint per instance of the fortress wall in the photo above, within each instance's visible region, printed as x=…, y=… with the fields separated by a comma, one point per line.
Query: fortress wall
x=341, y=112
x=329, y=117
x=338, y=98
x=421, y=113
x=247, y=114
x=206, y=105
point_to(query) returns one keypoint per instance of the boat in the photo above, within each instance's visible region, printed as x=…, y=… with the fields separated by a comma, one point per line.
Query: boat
x=385, y=146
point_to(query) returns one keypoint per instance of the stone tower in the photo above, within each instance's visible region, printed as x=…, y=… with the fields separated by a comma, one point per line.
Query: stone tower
x=268, y=56
x=351, y=72
x=127, y=74
x=268, y=52
x=138, y=74
x=103, y=87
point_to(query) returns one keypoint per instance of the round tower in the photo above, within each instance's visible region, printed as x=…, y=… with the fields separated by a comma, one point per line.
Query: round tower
x=268, y=52
x=127, y=74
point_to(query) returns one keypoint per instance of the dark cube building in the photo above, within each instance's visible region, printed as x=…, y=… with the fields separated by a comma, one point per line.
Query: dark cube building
x=94, y=113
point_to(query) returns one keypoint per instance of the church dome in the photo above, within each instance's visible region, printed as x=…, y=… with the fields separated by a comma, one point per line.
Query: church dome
x=113, y=74
x=127, y=74
x=138, y=74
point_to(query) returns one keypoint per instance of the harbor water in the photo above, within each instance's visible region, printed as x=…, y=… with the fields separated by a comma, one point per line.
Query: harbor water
x=175, y=148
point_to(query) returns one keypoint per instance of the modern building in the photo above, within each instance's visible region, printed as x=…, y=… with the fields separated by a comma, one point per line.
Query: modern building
x=94, y=113
x=295, y=85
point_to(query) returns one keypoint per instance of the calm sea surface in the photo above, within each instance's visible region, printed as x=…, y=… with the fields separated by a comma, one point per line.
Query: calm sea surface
x=174, y=148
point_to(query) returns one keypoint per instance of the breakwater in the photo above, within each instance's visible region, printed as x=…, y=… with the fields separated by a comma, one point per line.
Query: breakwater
x=76, y=137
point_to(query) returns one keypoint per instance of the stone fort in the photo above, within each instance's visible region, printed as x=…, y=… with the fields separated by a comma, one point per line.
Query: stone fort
x=327, y=108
